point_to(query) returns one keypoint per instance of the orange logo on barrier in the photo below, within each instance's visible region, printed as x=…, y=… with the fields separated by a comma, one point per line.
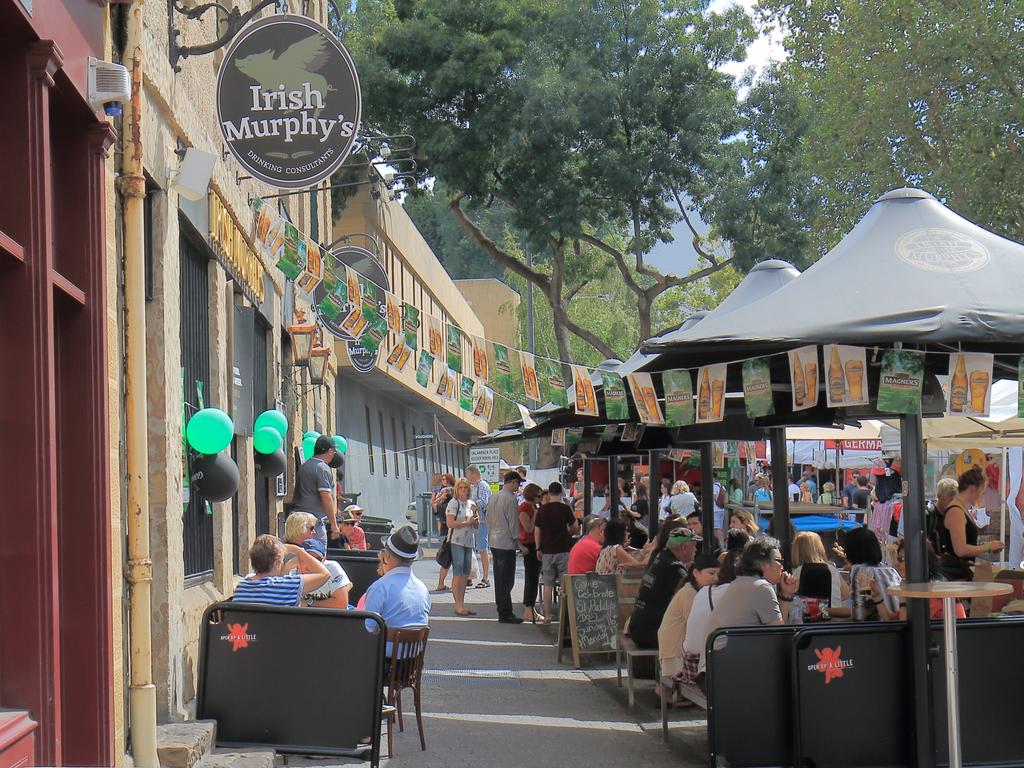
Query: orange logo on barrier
x=830, y=663
x=237, y=636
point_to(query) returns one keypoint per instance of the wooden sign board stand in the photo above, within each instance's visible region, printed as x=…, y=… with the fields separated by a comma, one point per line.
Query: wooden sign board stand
x=589, y=609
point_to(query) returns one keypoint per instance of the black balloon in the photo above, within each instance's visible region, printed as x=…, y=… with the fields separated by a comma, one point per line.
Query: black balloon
x=338, y=462
x=271, y=464
x=214, y=476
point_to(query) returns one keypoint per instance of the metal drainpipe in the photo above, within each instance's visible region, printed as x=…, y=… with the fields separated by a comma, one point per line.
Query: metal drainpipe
x=139, y=568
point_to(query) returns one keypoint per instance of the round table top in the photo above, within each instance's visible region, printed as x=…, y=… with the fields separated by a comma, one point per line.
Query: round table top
x=950, y=589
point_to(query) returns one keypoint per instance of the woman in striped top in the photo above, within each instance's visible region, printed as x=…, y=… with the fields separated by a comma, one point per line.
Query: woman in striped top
x=267, y=585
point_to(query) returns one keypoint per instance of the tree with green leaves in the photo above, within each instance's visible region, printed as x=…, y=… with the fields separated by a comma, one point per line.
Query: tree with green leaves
x=597, y=125
x=927, y=93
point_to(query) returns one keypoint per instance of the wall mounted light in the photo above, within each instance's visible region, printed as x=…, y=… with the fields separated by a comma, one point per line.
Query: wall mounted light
x=302, y=343
x=318, y=357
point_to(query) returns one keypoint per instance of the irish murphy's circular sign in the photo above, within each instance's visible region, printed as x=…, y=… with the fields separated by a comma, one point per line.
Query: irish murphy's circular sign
x=937, y=249
x=288, y=101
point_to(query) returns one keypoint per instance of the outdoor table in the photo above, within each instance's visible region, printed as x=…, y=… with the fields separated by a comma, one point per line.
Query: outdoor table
x=949, y=591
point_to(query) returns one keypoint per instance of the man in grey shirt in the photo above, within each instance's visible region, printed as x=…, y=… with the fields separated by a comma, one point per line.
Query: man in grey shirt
x=314, y=489
x=503, y=527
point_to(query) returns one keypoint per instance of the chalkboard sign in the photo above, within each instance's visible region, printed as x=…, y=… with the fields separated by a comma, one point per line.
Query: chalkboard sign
x=589, y=608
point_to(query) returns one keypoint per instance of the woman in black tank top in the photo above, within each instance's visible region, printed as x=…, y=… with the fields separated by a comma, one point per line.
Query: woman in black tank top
x=958, y=533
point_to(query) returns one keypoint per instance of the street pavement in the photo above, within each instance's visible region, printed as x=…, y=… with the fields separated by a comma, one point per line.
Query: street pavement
x=495, y=697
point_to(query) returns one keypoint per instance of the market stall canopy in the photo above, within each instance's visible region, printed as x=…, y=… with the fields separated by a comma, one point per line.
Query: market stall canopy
x=1002, y=427
x=870, y=429
x=911, y=271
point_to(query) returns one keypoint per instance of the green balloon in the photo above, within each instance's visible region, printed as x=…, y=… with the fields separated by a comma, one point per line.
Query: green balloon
x=266, y=440
x=340, y=444
x=312, y=434
x=308, y=444
x=274, y=419
x=210, y=431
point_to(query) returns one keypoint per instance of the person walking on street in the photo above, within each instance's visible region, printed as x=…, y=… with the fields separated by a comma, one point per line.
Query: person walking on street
x=314, y=490
x=480, y=492
x=554, y=527
x=527, y=513
x=462, y=520
x=503, y=531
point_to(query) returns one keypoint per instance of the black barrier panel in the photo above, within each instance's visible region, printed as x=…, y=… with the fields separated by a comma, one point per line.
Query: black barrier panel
x=368, y=554
x=384, y=527
x=990, y=660
x=257, y=681
x=749, y=704
x=361, y=570
x=375, y=539
x=851, y=696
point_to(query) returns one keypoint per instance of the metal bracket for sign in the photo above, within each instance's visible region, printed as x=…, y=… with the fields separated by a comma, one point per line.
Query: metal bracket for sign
x=232, y=19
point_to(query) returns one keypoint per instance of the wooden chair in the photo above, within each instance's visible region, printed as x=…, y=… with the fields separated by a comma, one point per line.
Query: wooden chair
x=408, y=647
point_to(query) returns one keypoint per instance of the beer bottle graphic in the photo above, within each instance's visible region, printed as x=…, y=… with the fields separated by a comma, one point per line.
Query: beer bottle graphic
x=704, y=397
x=958, y=387
x=836, y=378
x=799, y=383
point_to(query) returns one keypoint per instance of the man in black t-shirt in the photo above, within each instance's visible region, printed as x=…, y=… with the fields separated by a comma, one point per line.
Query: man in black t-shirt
x=553, y=529
x=849, y=490
x=659, y=584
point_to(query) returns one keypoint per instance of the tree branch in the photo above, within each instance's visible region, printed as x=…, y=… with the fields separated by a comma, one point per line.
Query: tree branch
x=617, y=256
x=696, y=236
x=562, y=316
x=673, y=282
x=575, y=290
x=492, y=249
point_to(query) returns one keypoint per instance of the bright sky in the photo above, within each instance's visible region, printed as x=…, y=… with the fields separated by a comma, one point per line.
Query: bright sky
x=678, y=257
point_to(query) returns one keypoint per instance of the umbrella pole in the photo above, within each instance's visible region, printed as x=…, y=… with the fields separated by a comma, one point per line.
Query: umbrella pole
x=588, y=492
x=707, y=498
x=911, y=442
x=1003, y=467
x=780, y=497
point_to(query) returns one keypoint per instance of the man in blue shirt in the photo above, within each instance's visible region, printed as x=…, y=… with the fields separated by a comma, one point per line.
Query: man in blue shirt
x=398, y=596
x=480, y=493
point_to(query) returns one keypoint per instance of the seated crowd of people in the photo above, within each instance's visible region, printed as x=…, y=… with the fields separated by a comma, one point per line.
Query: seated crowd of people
x=296, y=572
x=684, y=596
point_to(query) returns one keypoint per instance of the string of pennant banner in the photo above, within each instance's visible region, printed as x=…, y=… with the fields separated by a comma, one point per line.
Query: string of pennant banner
x=356, y=300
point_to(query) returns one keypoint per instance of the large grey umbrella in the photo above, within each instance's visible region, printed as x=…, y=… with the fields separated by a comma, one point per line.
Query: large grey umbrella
x=911, y=271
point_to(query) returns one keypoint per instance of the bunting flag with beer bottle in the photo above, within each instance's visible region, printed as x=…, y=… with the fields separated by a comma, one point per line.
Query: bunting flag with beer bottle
x=711, y=393
x=803, y=376
x=558, y=438
x=970, y=380
x=424, y=368
x=528, y=368
x=483, y=403
x=616, y=407
x=442, y=383
x=400, y=354
x=435, y=336
x=292, y=258
x=844, y=376
x=466, y=386
x=584, y=397
x=481, y=369
x=610, y=432
x=641, y=385
x=335, y=294
x=901, y=381
x=757, y=388
x=678, y=386
x=354, y=323
x=552, y=385
x=453, y=347
x=410, y=325
x=394, y=313
x=312, y=273
x=631, y=433
x=355, y=294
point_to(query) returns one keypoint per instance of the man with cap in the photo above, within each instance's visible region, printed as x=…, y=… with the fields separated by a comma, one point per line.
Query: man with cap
x=350, y=526
x=314, y=489
x=398, y=596
x=659, y=584
x=503, y=528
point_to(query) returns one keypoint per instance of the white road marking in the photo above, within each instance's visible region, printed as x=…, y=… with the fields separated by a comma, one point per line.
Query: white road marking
x=538, y=721
x=515, y=674
x=498, y=643
x=462, y=618
x=656, y=726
